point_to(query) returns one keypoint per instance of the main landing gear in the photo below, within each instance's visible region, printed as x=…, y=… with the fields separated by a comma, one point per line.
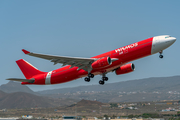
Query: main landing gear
x=87, y=79
x=104, y=78
x=161, y=56
x=101, y=82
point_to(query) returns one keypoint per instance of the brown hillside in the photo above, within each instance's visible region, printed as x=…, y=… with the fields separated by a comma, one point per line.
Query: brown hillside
x=88, y=103
x=2, y=94
x=12, y=87
x=22, y=100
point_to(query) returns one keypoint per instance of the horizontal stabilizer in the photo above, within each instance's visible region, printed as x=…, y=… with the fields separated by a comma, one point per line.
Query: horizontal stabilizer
x=21, y=80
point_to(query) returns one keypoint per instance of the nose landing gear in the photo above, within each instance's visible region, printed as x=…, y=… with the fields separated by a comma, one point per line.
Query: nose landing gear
x=161, y=56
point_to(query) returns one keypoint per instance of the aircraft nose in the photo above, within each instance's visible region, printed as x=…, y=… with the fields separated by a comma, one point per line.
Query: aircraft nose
x=162, y=42
x=173, y=39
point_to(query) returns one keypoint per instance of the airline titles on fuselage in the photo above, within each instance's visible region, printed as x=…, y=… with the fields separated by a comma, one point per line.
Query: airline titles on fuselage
x=120, y=50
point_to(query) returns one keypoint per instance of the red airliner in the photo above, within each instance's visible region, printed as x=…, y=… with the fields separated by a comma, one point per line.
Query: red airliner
x=75, y=67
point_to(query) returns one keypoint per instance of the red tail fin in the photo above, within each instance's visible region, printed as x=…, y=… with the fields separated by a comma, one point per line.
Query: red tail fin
x=27, y=69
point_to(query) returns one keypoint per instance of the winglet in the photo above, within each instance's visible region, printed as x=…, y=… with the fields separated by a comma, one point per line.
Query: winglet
x=25, y=51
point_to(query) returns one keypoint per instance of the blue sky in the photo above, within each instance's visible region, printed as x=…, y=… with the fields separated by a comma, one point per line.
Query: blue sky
x=84, y=29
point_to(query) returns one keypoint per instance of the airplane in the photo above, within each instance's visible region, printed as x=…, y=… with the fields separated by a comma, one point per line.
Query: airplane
x=75, y=67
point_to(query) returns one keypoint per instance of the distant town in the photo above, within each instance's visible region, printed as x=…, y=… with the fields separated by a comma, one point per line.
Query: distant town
x=96, y=110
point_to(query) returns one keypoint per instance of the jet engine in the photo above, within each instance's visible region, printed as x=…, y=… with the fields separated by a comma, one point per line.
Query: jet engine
x=103, y=62
x=125, y=69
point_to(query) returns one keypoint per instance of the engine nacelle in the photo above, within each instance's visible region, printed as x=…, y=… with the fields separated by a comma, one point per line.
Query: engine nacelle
x=101, y=63
x=125, y=69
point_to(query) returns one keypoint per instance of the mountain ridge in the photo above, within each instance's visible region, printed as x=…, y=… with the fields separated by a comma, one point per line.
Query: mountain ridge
x=160, y=84
x=12, y=87
x=148, y=89
x=27, y=100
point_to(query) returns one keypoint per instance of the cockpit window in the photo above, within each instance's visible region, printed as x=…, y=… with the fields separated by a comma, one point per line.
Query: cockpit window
x=167, y=36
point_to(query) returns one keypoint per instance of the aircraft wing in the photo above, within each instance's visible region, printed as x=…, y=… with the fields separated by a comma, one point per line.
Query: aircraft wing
x=81, y=63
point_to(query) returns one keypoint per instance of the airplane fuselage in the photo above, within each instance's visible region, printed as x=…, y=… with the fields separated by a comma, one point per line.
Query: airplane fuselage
x=123, y=55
